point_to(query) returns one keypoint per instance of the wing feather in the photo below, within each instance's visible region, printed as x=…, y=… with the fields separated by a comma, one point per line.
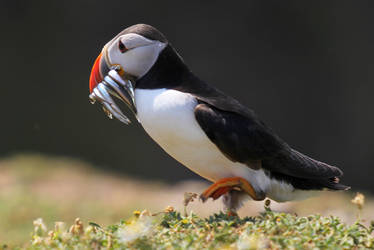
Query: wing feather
x=246, y=139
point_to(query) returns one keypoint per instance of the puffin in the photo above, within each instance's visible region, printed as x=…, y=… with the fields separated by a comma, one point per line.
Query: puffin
x=204, y=129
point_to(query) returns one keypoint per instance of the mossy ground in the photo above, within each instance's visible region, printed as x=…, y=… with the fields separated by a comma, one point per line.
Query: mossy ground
x=171, y=230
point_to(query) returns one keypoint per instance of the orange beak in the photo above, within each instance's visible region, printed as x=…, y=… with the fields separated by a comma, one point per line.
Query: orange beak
x=105, y=82
x=96, y=75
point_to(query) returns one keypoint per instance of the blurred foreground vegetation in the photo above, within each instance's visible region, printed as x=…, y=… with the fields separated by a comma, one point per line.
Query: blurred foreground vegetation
x=270, y=230
x=62, y=189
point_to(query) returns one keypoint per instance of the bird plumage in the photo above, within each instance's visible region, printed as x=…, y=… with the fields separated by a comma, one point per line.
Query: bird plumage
x=215, y=135
x=236, y=130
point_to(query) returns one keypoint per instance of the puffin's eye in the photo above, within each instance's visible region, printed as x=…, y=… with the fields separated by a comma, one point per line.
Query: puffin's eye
x=122, y=47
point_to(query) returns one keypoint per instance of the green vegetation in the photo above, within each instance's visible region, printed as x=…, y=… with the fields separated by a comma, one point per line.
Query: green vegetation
x=61, y=189
x=55, y=189
x=171, y=230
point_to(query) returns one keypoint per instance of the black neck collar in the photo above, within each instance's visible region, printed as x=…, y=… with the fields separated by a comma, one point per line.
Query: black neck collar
x=169, y=71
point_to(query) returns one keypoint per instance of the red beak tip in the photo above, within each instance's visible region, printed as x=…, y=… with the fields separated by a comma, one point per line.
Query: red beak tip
x=95, y=77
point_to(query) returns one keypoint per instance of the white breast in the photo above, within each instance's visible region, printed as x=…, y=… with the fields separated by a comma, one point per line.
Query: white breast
x=168, y=117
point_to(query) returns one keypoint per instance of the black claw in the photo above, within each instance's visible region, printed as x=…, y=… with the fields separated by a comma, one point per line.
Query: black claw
x=203, y=198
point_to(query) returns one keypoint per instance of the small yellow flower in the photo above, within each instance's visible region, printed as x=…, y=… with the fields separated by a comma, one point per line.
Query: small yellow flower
x=184, y=221
x=359, y=200
x=136, y=213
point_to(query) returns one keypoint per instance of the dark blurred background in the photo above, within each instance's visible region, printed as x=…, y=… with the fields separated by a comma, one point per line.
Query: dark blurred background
x=305, y=67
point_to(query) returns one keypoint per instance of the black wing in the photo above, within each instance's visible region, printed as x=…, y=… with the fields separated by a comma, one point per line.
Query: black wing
x=246, y=139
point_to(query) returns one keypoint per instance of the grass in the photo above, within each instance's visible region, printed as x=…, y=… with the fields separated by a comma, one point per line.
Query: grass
x=61, y=189
x=171, y=230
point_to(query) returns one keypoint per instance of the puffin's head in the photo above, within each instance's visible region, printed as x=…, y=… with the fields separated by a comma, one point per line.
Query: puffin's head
x=134, y=51
x=131, y=54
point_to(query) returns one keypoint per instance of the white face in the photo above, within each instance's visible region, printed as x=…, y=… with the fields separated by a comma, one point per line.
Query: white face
x=134, y=53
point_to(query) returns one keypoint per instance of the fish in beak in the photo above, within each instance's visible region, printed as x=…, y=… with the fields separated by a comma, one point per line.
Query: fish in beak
x=107, y=81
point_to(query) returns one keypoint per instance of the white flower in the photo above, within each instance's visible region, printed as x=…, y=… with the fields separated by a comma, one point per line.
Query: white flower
x=136, y=229
x=247, y=241
x=39, y=227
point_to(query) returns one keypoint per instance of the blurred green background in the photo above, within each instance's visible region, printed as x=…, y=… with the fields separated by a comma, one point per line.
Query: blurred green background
x=305, y=67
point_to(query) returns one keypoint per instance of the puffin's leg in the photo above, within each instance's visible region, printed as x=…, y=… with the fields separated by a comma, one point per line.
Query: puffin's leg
x=232, y=201
x=225, y=185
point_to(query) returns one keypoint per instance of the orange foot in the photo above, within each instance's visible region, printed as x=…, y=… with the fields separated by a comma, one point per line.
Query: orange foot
x=225, y=185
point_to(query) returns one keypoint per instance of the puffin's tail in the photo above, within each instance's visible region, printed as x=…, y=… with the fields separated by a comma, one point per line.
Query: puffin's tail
x=329, y=174
x=305, y=173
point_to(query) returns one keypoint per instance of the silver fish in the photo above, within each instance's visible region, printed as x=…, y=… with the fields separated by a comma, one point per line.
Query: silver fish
x=114, y=85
